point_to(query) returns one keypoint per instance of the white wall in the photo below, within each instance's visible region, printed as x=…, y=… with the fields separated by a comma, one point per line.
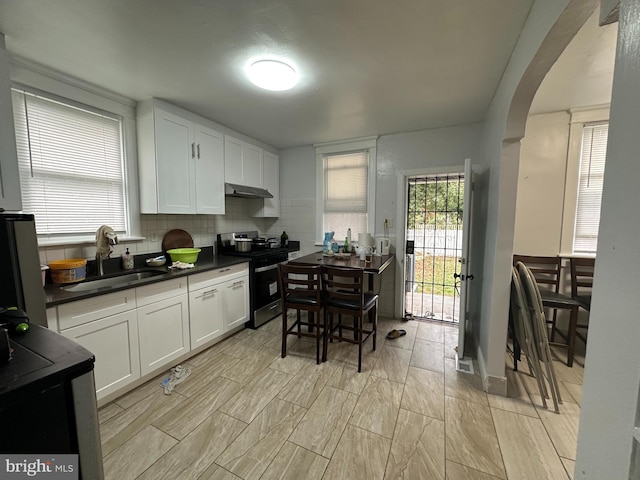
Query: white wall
x=549, y=28
x=541, y=184
x=441, y=147
x=444, y=147
x=609, y=407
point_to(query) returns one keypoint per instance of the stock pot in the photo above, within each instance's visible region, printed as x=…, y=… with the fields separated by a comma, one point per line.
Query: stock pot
x=243, y=244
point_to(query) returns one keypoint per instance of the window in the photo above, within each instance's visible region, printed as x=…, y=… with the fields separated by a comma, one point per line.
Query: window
x=346, y=188
x=590, y=182
x=586, y=153
x=71, y=165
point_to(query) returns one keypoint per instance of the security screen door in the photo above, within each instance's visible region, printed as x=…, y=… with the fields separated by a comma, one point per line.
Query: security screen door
x=437, y=258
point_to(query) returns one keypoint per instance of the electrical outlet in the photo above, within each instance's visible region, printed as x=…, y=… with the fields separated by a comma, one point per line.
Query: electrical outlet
x=388, y=223
x=154, y=237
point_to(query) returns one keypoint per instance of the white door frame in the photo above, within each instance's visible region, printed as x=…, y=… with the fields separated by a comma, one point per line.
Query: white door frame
x=401, y=215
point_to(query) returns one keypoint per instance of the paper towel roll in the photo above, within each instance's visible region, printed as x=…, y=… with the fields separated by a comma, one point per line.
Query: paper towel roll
x=364, y=240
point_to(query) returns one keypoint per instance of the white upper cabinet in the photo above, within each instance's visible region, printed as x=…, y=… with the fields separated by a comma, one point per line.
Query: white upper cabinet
x=252, y=165
x=209, y=171
x=181, y=161
x=233, y=160
x=270, y=207
x=10, y=198
x=175, y=178
x=242, y=162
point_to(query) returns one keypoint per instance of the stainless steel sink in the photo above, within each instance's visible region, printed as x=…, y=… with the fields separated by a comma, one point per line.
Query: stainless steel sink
x=110, y=282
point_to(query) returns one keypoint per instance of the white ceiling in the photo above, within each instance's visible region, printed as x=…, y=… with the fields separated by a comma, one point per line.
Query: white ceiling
x=583, y=75
x=368, y=67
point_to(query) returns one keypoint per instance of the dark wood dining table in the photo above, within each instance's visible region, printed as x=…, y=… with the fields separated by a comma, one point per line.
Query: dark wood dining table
x=377, y=265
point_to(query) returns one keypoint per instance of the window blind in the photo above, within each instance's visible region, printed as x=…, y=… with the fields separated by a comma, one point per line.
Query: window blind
x=590, y=182
x=71, y=166
x=345, y=195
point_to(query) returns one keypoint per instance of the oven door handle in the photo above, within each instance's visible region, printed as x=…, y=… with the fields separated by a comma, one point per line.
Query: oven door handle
x=267, y=268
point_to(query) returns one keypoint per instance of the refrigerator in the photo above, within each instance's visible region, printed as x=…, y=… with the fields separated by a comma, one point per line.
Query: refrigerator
x=21, y=278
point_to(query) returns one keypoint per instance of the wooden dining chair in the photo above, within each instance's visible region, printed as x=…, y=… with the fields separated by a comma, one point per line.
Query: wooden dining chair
x=581, y=285
x=345, y=296
x=300, y=287
x=547, y=273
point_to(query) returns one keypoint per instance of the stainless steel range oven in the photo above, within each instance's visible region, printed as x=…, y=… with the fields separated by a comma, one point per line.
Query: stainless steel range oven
x=264, y=293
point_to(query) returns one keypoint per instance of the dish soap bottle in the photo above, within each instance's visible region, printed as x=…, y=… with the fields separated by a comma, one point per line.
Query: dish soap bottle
x=127, y=260
x=284, y=239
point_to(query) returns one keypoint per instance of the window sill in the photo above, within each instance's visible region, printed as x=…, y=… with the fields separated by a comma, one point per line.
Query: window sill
x=82, y=240
x=577, y=255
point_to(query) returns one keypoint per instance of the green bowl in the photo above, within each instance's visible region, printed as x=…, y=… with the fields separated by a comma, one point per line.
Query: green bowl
x=186, y=255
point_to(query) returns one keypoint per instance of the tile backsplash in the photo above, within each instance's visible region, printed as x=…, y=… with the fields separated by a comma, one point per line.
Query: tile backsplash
x=297, y=219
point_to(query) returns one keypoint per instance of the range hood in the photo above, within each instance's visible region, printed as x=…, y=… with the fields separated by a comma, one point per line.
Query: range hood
x=242, y=191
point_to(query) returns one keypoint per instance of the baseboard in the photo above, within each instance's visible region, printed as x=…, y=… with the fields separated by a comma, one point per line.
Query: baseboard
x=490, y=383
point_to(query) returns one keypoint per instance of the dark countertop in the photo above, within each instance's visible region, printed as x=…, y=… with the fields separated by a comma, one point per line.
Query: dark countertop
x=55, y=295
x=378, y=263
x=41, y=358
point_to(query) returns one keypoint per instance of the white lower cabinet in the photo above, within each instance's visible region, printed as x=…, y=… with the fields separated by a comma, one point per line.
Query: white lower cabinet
x=235, y=304
x=163, y=329
x=205, y=314
x=135, y=332
x=163, y=325
x=114, y=342
x=218, y=302
x=107, y=326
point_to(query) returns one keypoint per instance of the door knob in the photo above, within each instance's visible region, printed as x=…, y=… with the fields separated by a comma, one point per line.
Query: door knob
x=462, y=277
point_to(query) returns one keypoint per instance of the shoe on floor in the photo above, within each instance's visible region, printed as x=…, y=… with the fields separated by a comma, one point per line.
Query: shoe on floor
x=395, y=334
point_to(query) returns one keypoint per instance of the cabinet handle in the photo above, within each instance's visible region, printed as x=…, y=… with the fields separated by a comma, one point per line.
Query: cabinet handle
x=198, y=151
x=193, y=150
x=224, y=270
x=237, y=284
x=208, y=293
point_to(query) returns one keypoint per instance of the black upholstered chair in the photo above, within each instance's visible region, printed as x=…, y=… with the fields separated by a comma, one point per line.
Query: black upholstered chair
x=581, y=285
x=345, y=296
x=301, y=291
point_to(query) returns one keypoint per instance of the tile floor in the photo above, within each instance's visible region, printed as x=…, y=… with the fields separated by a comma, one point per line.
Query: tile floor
x=247, y=413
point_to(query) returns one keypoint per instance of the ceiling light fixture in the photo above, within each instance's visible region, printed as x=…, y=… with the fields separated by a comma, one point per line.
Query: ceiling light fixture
x=273, y=75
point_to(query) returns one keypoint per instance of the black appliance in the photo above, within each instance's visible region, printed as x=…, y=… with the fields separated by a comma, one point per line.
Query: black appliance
x=21, y=279
x=48, y=400
x=264, y=292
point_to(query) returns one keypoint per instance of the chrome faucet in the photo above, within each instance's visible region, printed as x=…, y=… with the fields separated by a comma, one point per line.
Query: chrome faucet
x=105, y=237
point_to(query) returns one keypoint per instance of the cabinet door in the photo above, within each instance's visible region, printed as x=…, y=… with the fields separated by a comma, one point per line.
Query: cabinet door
x=209, y=171
x=233, y=160
x=235, y=303
x=252, y=165
x=114, y=342
x=271, y=179
x=163, y=330
x=10, y=198
x=87, y=310
x=175, y=157
x=205, y=315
